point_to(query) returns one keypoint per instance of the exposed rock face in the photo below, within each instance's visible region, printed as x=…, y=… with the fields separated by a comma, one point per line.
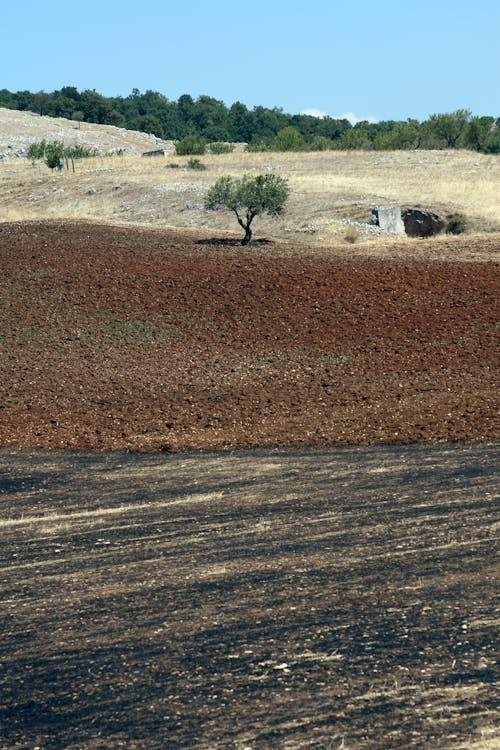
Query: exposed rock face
x=388, y=218
x=420, y=223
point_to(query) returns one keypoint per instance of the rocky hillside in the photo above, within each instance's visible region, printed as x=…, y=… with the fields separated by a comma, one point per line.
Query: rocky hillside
x=19, y=129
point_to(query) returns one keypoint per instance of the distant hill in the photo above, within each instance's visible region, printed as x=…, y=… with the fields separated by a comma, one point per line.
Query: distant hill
x=19, y=129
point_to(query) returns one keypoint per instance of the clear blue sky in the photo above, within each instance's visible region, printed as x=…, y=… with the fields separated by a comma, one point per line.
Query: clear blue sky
x=381, y=60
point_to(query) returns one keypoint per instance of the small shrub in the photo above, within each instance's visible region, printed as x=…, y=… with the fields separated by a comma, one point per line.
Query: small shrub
x=218, y=147
x=289, y=139
x=258, y=146
x=191, y=145
x=54, y=154
x=320, y=143
x=456, y=223
x=352, y=235
x=173, y=165
x=80, y=152
x=37, y=150
x=195, y=164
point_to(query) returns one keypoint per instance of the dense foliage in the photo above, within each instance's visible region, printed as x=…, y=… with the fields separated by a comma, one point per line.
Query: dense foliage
x=210, y=120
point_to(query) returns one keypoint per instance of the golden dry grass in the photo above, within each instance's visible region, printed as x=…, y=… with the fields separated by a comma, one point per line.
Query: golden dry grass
x=326, y=189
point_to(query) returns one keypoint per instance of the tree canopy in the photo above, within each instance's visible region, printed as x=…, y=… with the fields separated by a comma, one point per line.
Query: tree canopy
x=248, y=197
x=262, y=128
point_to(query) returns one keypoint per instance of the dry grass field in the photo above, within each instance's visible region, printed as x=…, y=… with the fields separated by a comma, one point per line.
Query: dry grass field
x=327, y=188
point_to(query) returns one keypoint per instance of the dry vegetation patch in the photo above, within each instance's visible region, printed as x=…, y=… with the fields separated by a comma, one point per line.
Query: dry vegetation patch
x=328, y=189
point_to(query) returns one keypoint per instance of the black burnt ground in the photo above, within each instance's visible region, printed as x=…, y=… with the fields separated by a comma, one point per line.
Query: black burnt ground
x=263, y=599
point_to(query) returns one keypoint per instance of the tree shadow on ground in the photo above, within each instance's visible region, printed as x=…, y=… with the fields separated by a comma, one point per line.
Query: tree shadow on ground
x=232, y=242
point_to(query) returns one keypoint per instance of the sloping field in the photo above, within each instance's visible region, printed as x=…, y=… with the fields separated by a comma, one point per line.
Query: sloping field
x=141, y=339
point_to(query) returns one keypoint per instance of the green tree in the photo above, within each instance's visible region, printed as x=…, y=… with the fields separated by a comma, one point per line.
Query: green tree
x=248, y=197
x=240, y=123
x=41, y=101
x=402, y=135
x=478, y=132
x=321, y=143
x=190, y=145
x=449, y=127
x=492, y=145
x=78, y=116
x=150, y=124
x=266, y=123
x=54, y=154
x=289, y=139
x=210, y=118
x=355, y=138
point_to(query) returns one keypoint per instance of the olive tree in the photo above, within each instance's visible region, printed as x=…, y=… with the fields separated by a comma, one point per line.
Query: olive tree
x=248, y=197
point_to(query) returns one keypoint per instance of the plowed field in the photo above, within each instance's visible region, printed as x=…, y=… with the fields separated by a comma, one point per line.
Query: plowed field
x=117, y=337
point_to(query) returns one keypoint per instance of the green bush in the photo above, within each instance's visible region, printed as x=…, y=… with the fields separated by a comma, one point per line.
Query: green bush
x=80, y=152
x=191, y=145
x=218, y=147
x=37, y=150
x=355, y=138
x=456, y=223
x=258, y=146
x=289, y=139
x=321, y=143
x=54, y=154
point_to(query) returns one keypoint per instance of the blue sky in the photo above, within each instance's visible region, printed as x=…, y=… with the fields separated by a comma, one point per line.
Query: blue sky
x=380, y=61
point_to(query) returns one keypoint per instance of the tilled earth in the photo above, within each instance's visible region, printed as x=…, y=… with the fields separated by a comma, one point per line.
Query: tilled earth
x=322, y=597
x=115, y=337
x=281, y=598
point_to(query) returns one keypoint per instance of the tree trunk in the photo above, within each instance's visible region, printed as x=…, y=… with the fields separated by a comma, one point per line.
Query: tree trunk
x=246, y=226
x=248, y=235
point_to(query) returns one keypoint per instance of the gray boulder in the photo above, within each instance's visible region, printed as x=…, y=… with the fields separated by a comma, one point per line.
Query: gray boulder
x=420, y=223
x=388, y=218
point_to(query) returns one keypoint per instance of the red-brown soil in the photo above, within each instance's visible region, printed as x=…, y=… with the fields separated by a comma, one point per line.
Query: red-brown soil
x=114, y=337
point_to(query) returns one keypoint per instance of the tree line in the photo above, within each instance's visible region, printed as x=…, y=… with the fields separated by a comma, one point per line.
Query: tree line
x=210, y=120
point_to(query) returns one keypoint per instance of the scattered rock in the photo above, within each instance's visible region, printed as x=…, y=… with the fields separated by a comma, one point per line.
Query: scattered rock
x=367, y=229
x=155, y=152
x=420, y=223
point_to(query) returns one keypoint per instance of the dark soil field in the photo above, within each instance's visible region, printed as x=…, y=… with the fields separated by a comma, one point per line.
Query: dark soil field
x=328, y=598
x=330, y=579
